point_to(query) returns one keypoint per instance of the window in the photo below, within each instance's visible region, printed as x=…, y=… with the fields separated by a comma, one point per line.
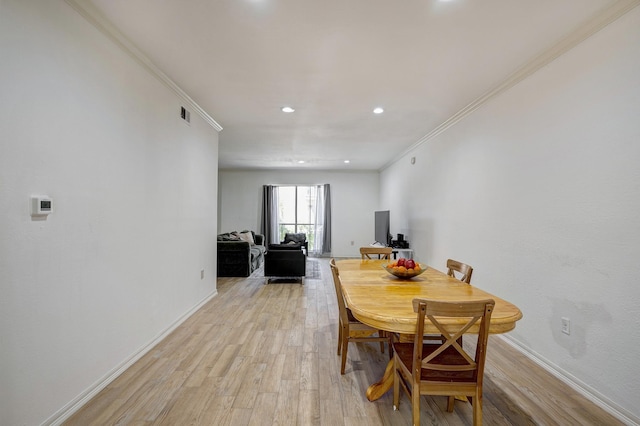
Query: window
x=298, y=208
x=297, y=211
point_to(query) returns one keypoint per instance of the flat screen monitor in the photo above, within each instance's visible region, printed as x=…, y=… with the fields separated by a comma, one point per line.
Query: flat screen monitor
x=383, y=234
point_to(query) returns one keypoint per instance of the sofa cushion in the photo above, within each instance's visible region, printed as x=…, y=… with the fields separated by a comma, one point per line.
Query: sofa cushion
x=300, y=237
x=247, y=236
x=229, y=236
x=288, y=246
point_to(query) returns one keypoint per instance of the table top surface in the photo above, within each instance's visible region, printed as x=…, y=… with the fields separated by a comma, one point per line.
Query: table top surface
x=384, y=301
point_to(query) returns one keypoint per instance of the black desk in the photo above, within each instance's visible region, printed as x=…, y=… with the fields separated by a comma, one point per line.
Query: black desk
x=406, y=253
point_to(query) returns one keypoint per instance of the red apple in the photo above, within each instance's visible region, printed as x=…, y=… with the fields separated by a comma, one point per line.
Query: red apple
x=401, y=261
x=409, y=264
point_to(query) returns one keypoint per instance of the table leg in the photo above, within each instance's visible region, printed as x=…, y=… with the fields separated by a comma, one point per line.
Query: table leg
x=376, y=390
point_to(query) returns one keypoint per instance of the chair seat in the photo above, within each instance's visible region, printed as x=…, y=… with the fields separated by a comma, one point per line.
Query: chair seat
x=449, y=356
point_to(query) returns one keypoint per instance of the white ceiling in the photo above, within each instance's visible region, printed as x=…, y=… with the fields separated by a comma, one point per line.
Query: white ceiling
x=334, y=61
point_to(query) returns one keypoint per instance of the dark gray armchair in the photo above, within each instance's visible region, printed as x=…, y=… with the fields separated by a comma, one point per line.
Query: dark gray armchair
x=285, y=261
x=298, y=238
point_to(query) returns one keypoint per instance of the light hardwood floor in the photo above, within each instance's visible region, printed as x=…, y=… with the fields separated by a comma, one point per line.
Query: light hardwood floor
x=266, y=355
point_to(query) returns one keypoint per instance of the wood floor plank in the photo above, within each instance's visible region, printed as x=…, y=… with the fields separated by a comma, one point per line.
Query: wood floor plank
x=274, y=374
x=239, y=368
x=331, y=412
x=308, y=407
x=186, y=409
x=309, y=373
x=217, y=410
x=239, y=416
x=286, y=412
x=224, y=361
x=293, y=363
x=250, y=387
x=264, y=409
x=329, y=379
x=265, y=354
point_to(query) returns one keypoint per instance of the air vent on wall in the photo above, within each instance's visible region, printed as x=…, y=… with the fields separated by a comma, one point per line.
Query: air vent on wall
x=185, y=115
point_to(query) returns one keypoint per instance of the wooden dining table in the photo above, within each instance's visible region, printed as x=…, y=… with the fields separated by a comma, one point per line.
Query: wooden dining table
x=384, y=301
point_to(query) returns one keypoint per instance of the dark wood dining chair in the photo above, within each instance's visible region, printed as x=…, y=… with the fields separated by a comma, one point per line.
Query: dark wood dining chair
x=443, y=368
x=463, y=269
x=381, y=252
x=349, y=328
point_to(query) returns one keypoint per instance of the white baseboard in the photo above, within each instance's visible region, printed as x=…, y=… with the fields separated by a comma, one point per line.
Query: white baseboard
x=69, y=409
x=587, y=391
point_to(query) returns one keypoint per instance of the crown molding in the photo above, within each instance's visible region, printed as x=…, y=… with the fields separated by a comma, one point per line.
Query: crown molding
x=94, y=17
x=586, y=30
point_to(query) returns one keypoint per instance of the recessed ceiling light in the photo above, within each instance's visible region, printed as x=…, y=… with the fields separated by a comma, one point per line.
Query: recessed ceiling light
x=378, y=110
x=300, y=161
x=287, y=109
x=346, y=161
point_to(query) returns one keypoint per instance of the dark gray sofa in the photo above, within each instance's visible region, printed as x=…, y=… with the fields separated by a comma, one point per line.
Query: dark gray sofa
x=238, y=258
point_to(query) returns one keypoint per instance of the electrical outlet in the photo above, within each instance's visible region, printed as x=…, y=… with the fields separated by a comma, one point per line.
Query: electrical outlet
x=566, y=325
x=352, y=242
x=202, y=274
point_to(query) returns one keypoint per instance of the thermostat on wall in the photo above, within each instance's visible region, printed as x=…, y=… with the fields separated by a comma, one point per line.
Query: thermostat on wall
x=41, y=205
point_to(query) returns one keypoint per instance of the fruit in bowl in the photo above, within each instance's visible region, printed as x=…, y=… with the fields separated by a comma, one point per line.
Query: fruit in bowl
x=405, y=268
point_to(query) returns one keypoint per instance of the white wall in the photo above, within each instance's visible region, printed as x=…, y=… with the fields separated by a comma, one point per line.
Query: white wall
x=539, y=190
x=118, y=261
x=354, y=198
